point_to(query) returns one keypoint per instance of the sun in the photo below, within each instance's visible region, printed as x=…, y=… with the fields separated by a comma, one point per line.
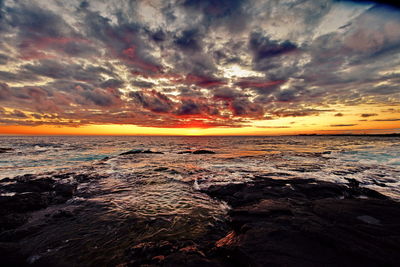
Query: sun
x=193, y=131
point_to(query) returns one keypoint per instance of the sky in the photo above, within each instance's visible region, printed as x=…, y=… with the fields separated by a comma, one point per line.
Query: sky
x=212, y=67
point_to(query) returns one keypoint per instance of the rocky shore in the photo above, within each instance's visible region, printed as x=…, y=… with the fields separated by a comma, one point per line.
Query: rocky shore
x=309, y=223
x=272, y=222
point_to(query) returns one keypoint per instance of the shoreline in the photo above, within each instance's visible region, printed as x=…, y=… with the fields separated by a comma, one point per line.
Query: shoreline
x=280, y=222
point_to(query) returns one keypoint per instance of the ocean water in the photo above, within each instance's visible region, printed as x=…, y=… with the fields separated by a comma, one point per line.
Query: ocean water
x=370, y=160
x=143, y=197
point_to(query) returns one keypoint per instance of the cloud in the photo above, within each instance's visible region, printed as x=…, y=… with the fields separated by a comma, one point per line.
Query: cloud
x=391, y=119
x=189, y=40
x=5, y=92
x=153, y=101
x=342, y=125
x=366, y=115
x=263, y=47
x=212, y=63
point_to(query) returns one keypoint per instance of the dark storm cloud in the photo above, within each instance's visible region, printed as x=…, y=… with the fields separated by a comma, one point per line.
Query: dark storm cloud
x=244, y=108
x=263, y=47
x=260, y=86
x=153, y=101
x=216, y=63
x=50, y=68
x=22, y=75
x=33, y=21
x=189, y=40
x=189, y=107
x=227, y=94
x=158, y=36
x=101, y=98
x=5, y=92
x=76, y=72
x=215, y=8
x=3, y=59
x=142, y=84
x=112, y=83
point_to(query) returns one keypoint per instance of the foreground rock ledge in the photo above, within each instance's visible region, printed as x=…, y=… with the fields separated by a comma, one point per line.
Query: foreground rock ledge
x=308, y=223
x=297, y=222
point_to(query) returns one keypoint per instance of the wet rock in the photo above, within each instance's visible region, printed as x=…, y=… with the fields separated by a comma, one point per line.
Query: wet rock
x=12, y=221
x=14, y=235
x=10, y=255
x=63, y=175
x=308, y=223
x=203, y=151
x=166, y=253
x=353, y=183
x=33, y=185
x=200, y=151
x=82, y=177
x=183, y=258
x=65, y=190
x=140, y=151
x=23, y=202
x=62, y=214
x=148, y=252
x=161, y=169
x=25, y=177
x=5, y=150
x=378, y=183
x=185, y=152
x=6, y=180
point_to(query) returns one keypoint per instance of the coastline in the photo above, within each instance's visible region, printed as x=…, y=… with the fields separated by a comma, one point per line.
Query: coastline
x=280, y=222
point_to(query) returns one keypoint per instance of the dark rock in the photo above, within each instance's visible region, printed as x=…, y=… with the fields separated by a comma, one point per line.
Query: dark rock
x=353, y=183
x=5, y=149
x=34, y=185
x=6, y=180
x=185, y=152
x=63, y=214
x=25, y=177
x=12, y=220
x=140, y=151
x=10, y=255
x=19, y=233
x=166, y=253
x=161, y=169
x=65, y=190
x=203, y=151
x=81, y=178
x=23, y=202
x=200, y=151
x=147, y=251
x=193, y=259
x=308, y=223
x=378, y=183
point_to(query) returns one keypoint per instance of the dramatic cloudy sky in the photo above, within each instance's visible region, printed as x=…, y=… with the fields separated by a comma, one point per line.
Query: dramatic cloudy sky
x=191, y=66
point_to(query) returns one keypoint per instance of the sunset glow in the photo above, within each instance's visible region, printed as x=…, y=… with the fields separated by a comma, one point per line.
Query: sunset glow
x=199, y=67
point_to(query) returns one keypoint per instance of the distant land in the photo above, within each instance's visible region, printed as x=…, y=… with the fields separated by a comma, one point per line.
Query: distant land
x=383, y=135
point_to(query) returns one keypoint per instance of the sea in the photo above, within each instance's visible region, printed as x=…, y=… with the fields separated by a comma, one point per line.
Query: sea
x=373, y=161
x=158, y=195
